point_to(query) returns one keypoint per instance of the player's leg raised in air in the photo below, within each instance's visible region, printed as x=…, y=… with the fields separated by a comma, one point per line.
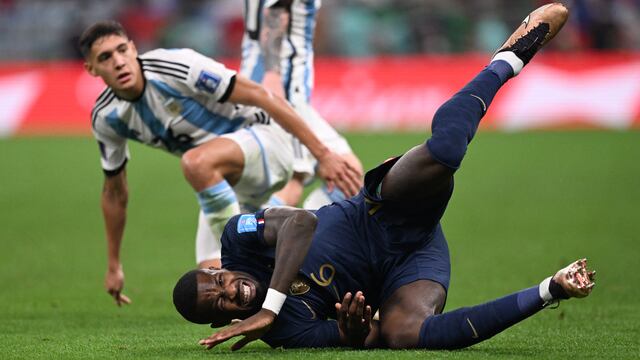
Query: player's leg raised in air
x=425, y=175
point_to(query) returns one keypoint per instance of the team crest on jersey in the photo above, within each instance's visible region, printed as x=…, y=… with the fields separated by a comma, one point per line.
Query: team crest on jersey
x=173, y=107
x=208, y=82
x=247, y=223
x=299, y=287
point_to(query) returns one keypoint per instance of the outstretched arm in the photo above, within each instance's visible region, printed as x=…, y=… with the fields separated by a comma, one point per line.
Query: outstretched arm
x=290, y=231
x=333, y=168
x=115, y=196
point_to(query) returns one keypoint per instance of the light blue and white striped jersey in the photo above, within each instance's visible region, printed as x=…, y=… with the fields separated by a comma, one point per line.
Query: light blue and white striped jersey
x=297, y=49
x=183, y=105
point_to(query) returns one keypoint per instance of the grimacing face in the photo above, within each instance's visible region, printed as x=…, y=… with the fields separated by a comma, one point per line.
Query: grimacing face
x=114, y=59
x=228, y=294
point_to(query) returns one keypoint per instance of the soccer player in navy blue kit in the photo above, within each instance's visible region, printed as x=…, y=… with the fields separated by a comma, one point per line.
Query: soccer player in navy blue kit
x=288, y=273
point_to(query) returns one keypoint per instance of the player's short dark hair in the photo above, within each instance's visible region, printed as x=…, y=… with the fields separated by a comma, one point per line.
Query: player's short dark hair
x=97, y=31
x=185, y=298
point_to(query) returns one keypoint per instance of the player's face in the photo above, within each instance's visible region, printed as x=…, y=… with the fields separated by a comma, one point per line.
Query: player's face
x=228, y=294
x=114, y=59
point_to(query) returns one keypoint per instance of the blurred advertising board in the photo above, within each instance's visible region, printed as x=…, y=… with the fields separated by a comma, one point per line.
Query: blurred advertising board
x=556, y=91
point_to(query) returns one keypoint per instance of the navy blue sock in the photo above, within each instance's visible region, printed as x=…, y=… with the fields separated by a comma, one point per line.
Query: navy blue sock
x=502, y=69
x=456, y=121
x=470, y=325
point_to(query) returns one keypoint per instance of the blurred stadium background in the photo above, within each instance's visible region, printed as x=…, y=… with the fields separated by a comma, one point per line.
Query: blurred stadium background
x=553, y=176
x=381, y=64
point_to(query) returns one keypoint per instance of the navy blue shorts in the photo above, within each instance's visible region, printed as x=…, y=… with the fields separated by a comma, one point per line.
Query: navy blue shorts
x=409, y=243
x=429, y=261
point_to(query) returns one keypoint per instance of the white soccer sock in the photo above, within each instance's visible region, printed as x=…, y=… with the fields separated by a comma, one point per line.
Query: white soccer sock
x=208, y=247
x=511, y=59
x=316, y=199
x=321, y=197
x=218, y=204
x=274, y=200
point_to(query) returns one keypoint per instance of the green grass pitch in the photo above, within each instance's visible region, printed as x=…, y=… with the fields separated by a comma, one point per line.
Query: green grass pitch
x=525, y=204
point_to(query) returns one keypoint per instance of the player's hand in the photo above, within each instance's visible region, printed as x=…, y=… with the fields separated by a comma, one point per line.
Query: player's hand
x=336, y=171
x=354, y=320
x=114, y=282
x=252, y=328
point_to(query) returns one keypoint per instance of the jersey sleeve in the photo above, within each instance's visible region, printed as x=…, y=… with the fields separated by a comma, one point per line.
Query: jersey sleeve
x=195, y=73
x=243, y=240
x=298, y=327
x=114, y=151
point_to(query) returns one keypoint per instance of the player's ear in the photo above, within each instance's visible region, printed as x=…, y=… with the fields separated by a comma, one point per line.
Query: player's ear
x=134, y=49
x=89, y=67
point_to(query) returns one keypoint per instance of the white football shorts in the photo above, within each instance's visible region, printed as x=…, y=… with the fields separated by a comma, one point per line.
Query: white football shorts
x=268, y=166
x=268, y=162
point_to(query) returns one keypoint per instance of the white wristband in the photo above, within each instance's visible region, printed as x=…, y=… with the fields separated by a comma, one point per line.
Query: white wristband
x=274, y=301
x=543, y=290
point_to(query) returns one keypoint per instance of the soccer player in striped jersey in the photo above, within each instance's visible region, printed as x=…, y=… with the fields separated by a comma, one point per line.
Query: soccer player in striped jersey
x=277, y=50
x=191, y=106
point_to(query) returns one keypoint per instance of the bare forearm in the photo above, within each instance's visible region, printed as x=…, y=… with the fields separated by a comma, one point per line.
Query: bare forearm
x=248, y=92
x=295, y=238
x=290, y=231
x=114, y=211
x=280, y=110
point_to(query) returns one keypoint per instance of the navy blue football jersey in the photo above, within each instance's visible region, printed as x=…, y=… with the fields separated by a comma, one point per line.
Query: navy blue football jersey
x=334, y=265
x=358, y=245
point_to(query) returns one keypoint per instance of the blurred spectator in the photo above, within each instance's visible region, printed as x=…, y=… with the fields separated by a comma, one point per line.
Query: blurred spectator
x=48, y=29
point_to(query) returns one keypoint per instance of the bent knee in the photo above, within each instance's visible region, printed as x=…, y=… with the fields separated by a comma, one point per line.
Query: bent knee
x=192, y=160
